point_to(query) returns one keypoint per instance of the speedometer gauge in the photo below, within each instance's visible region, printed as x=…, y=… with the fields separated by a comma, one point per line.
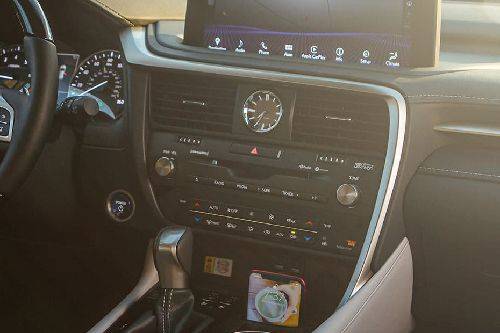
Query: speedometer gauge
x=101, y=77
x=14, y=71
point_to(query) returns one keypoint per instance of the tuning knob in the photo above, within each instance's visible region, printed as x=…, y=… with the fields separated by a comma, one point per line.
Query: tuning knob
x=347, y=195
x=164, y=166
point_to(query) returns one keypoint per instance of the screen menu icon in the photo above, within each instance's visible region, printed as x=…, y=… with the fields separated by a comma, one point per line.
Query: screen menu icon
x=264, y=48
x=313, y=53
x=288, y=52
x=217, y=44
x=241, y=47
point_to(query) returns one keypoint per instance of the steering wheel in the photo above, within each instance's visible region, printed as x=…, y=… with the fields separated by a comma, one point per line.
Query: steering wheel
x=27, y=120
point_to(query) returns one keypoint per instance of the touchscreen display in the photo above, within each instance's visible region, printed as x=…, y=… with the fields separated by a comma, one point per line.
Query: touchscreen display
x=363, y=32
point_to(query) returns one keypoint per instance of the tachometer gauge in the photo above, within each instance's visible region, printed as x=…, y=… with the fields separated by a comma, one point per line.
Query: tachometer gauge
x=262, y=111
x=14, y=71
x=101, y=76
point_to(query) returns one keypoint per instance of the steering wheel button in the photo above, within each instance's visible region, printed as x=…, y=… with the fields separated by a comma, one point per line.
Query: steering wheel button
x=4, y=122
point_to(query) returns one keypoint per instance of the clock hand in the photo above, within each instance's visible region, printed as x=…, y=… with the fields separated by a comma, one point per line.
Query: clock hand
x=259, y=118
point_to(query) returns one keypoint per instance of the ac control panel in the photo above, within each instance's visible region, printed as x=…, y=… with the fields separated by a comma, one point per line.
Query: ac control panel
x=320, y=200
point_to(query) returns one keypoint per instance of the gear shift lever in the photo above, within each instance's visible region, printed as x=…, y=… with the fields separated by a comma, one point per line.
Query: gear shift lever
x=172, y=256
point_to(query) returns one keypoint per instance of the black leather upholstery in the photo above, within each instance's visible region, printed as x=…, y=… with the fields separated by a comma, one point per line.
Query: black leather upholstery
x=173, y=309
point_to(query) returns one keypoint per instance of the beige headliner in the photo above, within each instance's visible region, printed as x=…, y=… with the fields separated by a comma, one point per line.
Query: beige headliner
x=142, y=12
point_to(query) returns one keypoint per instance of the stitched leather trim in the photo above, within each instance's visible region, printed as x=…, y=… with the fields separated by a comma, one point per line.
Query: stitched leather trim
x=471, y=174
x=457, y=97
x=163, y=311
x=169, y=323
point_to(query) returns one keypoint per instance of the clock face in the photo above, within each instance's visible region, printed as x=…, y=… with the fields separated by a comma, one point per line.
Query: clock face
x=262, y=111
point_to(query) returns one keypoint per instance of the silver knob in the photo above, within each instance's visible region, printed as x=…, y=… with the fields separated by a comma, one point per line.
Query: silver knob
x=347, y=194
x=164, y=166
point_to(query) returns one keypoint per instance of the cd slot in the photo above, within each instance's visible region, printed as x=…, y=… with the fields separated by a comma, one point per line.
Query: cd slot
x=250, y=171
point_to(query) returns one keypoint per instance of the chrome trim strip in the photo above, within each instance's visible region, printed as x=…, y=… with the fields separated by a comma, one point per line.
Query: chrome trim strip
x=6, y=106
x=149, y=278
x=136, y=52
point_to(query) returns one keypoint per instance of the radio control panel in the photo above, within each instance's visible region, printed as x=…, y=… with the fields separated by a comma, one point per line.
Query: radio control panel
x=320, y=200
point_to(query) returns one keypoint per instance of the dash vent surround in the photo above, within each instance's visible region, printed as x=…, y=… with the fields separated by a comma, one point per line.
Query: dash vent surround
x=352, y=122
x=193, y=102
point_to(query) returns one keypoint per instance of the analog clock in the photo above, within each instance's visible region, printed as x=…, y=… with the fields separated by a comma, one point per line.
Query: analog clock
x=262, y=111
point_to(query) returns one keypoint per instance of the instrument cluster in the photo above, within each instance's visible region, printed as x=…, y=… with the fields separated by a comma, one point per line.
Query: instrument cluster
x=100, y=76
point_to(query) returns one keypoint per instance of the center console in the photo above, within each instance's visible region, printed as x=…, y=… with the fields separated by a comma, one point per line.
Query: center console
x=290, y=176
x=309, y=182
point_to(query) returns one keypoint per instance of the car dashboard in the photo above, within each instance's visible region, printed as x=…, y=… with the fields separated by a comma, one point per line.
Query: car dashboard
x=289, y=164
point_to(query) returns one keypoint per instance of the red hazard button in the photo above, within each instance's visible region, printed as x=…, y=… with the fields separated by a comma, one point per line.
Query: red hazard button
x=259, y=151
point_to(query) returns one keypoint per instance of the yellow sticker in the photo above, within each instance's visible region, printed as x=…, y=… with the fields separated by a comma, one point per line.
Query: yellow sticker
x=218, y=266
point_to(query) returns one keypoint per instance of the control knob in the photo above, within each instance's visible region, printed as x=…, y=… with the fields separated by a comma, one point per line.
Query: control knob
x=347, y=195
x=164, y=166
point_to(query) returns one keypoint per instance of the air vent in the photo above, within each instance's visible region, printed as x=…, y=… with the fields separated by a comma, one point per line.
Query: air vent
x=193, y=102
x=350, y=122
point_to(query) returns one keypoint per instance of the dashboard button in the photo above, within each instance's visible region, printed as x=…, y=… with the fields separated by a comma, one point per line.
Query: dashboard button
x=326, y=227
x=231, y=225
x=346, y=246
x=252, y=214
x=267, y=190
x=293, y=236
x=309, y=224
x=197, y=219
x=233, y=211
x=289, y=221
x=218, y=182
x=199, y=153
x=212, y=222
x=267, y=231
x=330, y=159
x=272, y=217
x=189, y=140
x=307, y=238
x=199, y=205
x=214, y=208
x=251, y=228
x=280, y=233
x=255, y=151
x=289, y=194
x=243, y=187
x=313, y=197
x=324, y=242
x=201, y=180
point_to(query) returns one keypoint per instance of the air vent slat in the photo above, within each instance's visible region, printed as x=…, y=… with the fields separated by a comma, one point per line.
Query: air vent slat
x=192, y=102
x=328, y=118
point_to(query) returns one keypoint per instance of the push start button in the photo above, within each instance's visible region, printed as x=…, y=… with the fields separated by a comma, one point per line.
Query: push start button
x=120, y=206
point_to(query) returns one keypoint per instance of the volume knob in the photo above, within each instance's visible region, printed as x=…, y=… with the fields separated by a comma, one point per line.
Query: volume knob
x=347, y=195
x=164, y=166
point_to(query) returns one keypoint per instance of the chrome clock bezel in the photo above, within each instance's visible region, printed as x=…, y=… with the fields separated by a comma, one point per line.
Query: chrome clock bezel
x=245, y=108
